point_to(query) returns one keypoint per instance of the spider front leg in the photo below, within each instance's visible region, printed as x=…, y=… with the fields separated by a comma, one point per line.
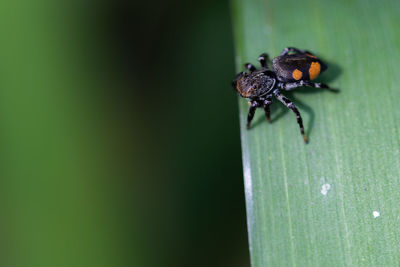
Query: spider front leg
x=253, y=106
x=250, y=67
x=289, y=104
x=287, y=50
x=293, y=85
x=267, y=104
x=263, y=58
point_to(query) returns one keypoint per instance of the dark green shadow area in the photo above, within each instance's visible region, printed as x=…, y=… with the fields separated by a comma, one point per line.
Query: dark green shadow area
x=119, y=135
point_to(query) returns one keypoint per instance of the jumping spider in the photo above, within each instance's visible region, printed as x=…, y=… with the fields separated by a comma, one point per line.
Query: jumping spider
x=293, y=68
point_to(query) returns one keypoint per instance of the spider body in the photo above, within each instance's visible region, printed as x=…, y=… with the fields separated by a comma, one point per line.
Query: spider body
x=289, y=72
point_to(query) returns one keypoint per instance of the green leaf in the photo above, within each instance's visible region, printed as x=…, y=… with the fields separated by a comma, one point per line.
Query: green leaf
x=336, y=200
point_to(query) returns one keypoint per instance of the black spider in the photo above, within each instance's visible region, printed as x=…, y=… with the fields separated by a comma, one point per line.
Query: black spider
x=289, y=72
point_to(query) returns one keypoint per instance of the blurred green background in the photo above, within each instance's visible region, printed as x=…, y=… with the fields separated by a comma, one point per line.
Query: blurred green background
x=119, y=135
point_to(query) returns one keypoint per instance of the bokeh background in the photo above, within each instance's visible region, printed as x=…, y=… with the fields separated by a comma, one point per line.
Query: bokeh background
x=119, y=135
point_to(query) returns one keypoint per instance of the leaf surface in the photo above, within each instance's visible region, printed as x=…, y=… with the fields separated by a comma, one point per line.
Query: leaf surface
x=334, y=201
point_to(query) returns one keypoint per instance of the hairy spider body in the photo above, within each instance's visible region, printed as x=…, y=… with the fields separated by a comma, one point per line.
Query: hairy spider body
x=289, y=72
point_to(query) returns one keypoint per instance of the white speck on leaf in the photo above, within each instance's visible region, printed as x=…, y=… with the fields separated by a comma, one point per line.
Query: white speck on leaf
x=376, y=214
x=325, y=188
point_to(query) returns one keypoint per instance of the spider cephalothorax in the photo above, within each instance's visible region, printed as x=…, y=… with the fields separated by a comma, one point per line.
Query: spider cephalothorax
x=289, y=72
x=254, y=84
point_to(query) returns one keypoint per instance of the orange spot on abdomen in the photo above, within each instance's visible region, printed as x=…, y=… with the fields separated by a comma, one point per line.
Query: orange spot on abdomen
x=296, y=74
x=314, y=70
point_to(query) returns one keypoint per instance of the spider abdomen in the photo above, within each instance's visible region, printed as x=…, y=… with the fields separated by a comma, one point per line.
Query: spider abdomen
x=292, y=68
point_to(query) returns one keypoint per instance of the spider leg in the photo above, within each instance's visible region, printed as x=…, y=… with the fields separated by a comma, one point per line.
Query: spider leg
x=267, y=104
x=289, y=104
x=250, y=115
x=263, y=58
x=250, y=67
x=287, y=50
x=293, y=85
